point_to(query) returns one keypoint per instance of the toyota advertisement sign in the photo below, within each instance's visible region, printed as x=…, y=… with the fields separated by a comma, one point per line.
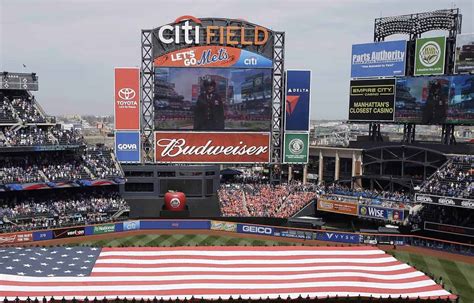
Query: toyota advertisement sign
x=379, y=59
x=127, y=98
x=127, y=146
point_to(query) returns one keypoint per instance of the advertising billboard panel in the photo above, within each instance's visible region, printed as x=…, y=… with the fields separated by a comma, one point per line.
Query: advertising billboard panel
x=296, y=148
x=298, y=100
x=446, y=201
x=68, y=232
x=131, y=225
x=338, y=237
x=430, y=55
x=378, y=59
x=449, y=229
x=213, y=56
x=372, y=100
x=435, y=100
x=127, y=146
x=213, y=99
x=218, y=147
x=16, y=238
x=127, y=98
x=382, y=213
x=255, y=229
x=464, y=59
x=339, y=207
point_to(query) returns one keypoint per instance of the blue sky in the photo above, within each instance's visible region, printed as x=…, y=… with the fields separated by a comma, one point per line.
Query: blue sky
x=74, y=45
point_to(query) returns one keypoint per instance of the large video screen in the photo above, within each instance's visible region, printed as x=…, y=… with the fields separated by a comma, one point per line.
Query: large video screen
x=213, y=99
x=435, y=100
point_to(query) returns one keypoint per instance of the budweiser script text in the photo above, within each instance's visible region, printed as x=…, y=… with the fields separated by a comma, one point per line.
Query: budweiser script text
x=178, y=147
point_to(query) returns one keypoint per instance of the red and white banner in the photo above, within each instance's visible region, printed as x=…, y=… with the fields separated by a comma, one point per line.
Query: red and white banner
x=16, y=238
x=221, y=147
x=127, y=98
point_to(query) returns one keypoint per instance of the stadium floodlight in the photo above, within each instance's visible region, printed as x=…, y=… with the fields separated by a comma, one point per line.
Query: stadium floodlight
x=417, y=24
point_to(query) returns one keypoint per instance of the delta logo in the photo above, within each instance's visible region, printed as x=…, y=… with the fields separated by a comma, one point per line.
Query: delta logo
x=291, y=102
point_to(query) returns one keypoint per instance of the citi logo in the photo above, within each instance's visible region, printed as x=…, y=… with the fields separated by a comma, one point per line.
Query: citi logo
x=127, y=147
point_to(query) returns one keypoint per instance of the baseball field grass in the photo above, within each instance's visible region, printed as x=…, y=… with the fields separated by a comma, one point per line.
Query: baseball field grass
x=457, y=277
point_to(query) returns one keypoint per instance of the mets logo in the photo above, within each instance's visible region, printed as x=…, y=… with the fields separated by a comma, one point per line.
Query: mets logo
x=175, y=202
x=126, y=93
x=430, y=53
x=296, y=146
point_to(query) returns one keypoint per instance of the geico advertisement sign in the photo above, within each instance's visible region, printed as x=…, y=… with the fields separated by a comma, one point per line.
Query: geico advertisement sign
x=189, y=30
x=224, y=147
x=254, y=229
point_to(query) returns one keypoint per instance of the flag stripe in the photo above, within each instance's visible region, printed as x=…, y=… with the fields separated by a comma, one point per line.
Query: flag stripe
x=212, y=272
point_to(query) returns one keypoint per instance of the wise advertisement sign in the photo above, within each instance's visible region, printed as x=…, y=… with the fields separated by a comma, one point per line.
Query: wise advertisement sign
x=296, y=148
x=127, y=98
x=381, y=213
x=298, y=100
x=127, y=146
x=372, y=100
x=464, y=60
x=218, y=147
x=213, y=56
x=379, y=59
x=339, y=207
x=430, y=55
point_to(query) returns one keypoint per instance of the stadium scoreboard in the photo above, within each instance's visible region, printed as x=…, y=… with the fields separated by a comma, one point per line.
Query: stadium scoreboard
x=20, y=81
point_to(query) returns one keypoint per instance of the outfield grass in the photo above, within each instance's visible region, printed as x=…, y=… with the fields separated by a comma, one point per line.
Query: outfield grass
x=458, y=277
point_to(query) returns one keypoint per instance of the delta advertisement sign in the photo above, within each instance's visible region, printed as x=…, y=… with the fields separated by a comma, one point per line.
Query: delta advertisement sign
x=298, y=100
x=218, y=147
x=382, y=213
x=379, y=59
x=127, y=98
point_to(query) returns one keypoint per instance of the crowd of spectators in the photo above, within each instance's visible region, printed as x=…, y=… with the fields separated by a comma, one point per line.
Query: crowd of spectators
x=78, y=208
x=99, y=161
x=264, y=200
x=93, y=163
x=26, y=110
x=35, y=136
x=454, y=179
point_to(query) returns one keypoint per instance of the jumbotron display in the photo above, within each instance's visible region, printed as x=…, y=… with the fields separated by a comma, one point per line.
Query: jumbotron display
x=208, y=99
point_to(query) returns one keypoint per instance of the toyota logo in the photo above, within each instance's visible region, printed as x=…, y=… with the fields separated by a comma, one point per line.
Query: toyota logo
x=126, y=93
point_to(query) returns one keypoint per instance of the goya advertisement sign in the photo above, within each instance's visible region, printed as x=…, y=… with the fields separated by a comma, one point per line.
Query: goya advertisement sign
x=296, y=148
x=127, y=146
x=430, y=55
x=298, y=100
x=372, y=100
x=379, y=59
x=381, y=213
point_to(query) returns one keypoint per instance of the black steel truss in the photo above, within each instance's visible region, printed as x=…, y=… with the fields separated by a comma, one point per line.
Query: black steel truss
x=278, y=103
x=148, y=111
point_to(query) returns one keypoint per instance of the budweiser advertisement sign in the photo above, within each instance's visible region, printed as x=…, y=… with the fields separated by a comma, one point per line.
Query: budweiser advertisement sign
x=16, y=238
x=220, y=147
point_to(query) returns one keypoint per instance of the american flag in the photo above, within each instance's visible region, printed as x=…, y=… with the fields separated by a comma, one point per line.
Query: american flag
x=209, y=273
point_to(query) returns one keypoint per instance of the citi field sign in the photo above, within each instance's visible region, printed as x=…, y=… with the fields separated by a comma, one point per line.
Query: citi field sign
x=212, y=42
